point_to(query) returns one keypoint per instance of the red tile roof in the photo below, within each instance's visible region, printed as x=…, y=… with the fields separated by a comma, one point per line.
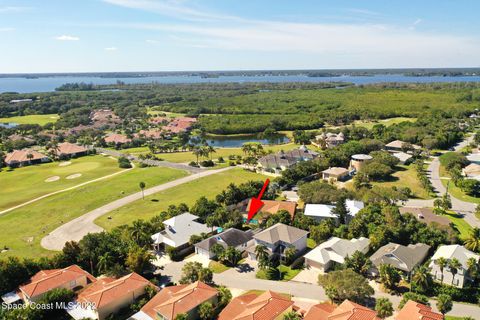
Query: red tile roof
x=180, y=124
x=349, y=310
x=319, y=311
x=274, y=206
x=107, y=290
x=46, y=280
x=117, y=138
x=153, y=134
x=70, y=148
x=175, y=300
x=267, y=306
x=416, y=311
x=21, y=156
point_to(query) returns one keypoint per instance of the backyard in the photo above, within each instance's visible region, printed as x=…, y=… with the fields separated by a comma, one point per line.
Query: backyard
x=23, y=228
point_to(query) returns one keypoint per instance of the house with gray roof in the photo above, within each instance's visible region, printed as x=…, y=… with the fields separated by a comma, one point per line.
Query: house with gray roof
x=403, y=258
x=278, y=238
x=178, y=231
x=275, y=163
x=232, y=237
x=449, y=252
x=334, y=251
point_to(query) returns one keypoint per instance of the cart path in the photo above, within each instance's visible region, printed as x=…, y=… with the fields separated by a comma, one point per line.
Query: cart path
x=77, y=228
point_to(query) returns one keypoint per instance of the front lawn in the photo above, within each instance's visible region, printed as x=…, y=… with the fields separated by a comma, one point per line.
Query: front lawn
x=453, y=190
x=217, y=267
x=406, y=176
x=460, y=224
x=311, y=244
x=287, y=273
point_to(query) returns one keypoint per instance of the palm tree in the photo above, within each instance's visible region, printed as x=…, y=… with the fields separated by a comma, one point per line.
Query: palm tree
x=441, y=263
x=197, y=151
x=473, y=241
x=262, y=256
x=472, y=267
x=422, y=278
x=104, y=262
x=246, y=148
x=454, y=265
x=142, y=186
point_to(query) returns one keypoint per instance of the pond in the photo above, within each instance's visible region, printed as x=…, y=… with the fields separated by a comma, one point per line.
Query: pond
x=8, y=125
x=236, y=141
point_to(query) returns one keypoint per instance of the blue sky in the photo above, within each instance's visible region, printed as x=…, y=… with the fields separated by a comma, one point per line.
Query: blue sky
x=165, y=35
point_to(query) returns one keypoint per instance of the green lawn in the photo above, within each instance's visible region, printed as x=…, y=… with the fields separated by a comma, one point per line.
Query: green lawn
x=23, y=228
x=217, y=267
x=287, y=273
x=453, y=190
x=406, y=176
x=188, y=193
x=22, y=184
x=386, y=122
x=460, y=224
x=40, y=119
x=311, y=244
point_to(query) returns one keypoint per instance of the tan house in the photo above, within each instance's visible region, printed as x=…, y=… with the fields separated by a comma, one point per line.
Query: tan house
x=335, y=174
x=25, y=157
x=328, y=140
x=108, y=295
x=472, y=171
x=72, y=278
x=266, y=306
x=67, y=149
x=414, y=310
x=116, y=138
x=399, y=146
x=358, y=161
x=175, y=300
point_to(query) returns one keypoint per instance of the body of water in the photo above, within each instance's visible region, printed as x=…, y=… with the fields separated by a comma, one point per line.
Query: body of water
x=8, y=125
x=47, y=84
x=239, y=140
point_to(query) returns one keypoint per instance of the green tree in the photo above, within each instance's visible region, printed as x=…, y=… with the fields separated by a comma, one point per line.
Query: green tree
x=181, y=316
x=291, y=315
x=205, y=311
x=472, y=242
x=194, y=271
x=142, y=187
x=231, y=256
x=441, y=263
x=422, y=279
x=217, y=249
x=138, y=259
x=290, y=254
x=384, y=308
x=389, y=276
x=346, y=284
x=224, y=296
x=454, y=265
x=340, y=210
x=444, y=303
x=104, y=262
x=358, y=262
x=261, y=254
x=414, y=297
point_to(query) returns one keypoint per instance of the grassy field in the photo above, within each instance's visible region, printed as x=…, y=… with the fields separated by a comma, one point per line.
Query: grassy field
x=23, y=184
x=453, y=189
x=188, y=193
x=460, y=224
x=40, y=119
x=386, y=122
x=23, y=228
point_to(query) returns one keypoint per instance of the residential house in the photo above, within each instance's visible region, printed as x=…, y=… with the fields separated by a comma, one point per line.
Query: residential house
x=117, y=139
x=278, y=162
x=178, y=231
x=334, y=251
x=69, y=150
x=403, y=158
x=399, y=146
x=426, y=215
x=414, y=310
x=175, y=300
x=328, y=140
x=159, y=120
x=18, y=137
x=347, y=310
x=178, y=125
x=325, y=211
x=472, y=171
x=150, y=134
x=72, y=278
x=266, y=306
x=24, y=157
x=450, y=252
x=357, y=161
x=108, y=296
x=278, y=238
x=335, y=174
x=269, y=207
x=232, y=237
x=105, y=117
x=403, y=258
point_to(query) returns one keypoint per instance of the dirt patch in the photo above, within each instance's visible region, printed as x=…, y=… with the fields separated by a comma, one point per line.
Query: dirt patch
x=74, y=176
x=64, y=163
x=51, y=179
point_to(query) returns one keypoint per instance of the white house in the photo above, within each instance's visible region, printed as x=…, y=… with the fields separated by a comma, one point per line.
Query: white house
x=325, y=211
x=450, y=252
x=178, y=231
x=278, y=238
x=335, y=250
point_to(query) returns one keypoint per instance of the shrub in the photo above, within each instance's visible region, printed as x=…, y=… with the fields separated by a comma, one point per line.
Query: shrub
x=221, y=160
x=193, y=164
x=207, y=163
x=124, y=163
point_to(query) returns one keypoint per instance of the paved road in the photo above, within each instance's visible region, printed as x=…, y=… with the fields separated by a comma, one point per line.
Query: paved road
x=244, y=279
x=81, y=226
x=150, y=162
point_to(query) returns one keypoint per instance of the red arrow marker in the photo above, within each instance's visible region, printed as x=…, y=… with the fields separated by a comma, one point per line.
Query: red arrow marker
x=257, y=203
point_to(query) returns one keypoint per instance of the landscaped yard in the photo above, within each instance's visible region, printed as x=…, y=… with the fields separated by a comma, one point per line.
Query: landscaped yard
x=40, y=119
x=287, y=273
x=23, y=228
x=23, y=184
x=188, y=193
x=460, y=224
x=217, y=267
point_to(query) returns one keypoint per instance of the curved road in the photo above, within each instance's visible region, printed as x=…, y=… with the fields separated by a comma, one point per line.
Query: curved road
x=77, y=228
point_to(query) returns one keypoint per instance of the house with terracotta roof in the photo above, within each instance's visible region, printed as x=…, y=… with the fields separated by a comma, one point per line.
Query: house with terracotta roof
x=150, y=134
x=117, y=139
x=269, y=207
x=414, y=310
x=72, y=278
x=266, y=306
x=278, y=238
x=24, y=157
x=175, y=300
x=180, y=125
x=347, y=310
x=107, y=296
x=67, y=149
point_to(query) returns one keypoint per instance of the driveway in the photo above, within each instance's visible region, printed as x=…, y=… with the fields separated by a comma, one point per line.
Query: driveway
x=77, y=228
x=307, y=276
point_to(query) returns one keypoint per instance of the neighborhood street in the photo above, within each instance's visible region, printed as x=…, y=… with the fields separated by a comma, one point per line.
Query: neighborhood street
x=77, y=228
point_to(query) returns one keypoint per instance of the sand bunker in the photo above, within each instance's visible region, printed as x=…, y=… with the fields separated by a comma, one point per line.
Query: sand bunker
x=64, y=164
x=51, y=179
x=74, y=176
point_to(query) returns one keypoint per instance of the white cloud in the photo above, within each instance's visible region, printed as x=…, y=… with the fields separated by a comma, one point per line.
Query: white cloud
x=418, y=21
x=67, y=38
x=111, y=49
x=14, y=9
